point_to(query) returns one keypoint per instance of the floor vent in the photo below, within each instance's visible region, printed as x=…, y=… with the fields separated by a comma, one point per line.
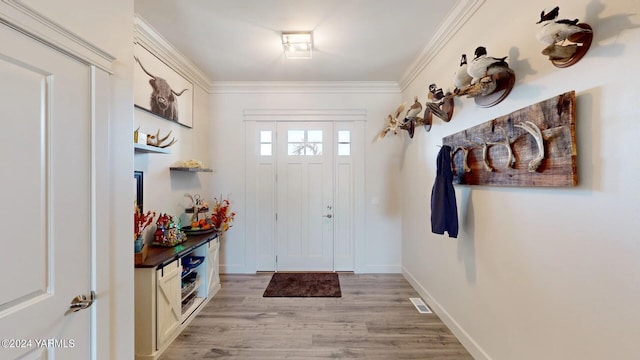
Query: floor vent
x=420, y=305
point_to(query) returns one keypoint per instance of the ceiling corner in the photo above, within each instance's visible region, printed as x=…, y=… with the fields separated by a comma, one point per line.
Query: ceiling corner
x=149, y=38
x=460, y=14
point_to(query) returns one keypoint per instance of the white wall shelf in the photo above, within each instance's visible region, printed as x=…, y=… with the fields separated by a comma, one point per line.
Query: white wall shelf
x=150, y=149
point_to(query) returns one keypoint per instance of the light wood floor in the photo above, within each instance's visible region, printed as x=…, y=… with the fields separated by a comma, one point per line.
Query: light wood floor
x=373, y=319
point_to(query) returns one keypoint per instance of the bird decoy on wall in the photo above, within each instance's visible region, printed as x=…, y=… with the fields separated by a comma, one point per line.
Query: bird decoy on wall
x=393, y=121
x=491, y=78
x=567, y=40
x=411, y=119
x=461, y=78
x=408, y=122
x=439, y=104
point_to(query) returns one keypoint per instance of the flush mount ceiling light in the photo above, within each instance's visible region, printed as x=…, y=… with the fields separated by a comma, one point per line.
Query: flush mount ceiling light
x=297, y=45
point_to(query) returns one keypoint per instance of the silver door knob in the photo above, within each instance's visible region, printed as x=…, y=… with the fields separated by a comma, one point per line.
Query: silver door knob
x=328, y=216
x=81, y=302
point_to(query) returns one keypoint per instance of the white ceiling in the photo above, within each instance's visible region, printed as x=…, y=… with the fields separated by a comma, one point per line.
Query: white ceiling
x=354, y=40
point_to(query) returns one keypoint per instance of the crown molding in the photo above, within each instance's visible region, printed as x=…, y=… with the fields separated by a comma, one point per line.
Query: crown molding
x=32, y=23
x=150, y=38
x=304, y=87
x=304, y=115
x=459, y=16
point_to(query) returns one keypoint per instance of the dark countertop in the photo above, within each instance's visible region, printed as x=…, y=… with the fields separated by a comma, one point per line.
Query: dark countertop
x=159, y=256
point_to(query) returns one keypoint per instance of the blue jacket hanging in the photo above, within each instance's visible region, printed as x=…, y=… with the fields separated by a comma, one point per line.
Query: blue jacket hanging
x=444, y=211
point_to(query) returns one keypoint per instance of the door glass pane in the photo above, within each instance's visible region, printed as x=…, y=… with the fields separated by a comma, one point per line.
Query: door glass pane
x=295, y=149
x=344, y=143
x=265, y=143
x=265, y=136
x=344, y=136
x=301, y=142
x=344, y=149
x=265, y=150
x=314, y=136
x=315, y=149
x=295, y=136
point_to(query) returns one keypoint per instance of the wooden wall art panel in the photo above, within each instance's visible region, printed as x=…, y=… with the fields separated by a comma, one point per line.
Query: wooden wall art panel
x=507, y=151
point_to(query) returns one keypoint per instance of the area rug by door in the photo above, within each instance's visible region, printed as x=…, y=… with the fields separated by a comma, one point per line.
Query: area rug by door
x=284, y=284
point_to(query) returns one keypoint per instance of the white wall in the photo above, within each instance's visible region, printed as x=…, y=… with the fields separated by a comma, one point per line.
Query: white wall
x=381, y=251
x=164, y=190
x=537, y=273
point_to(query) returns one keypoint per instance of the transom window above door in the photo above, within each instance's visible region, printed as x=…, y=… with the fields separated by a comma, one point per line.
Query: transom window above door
x=304, y=142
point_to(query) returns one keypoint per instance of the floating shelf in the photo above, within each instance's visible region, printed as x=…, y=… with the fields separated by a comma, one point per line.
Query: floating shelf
x=150, y=149
x=190, y=169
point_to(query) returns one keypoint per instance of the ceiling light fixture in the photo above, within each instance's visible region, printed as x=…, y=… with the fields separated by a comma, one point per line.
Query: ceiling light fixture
x=297, y=45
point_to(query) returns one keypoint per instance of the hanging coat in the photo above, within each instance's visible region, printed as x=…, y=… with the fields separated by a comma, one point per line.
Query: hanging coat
x=444, y=211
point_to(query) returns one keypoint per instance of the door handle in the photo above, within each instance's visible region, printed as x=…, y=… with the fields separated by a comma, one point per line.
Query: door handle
x=80, y=302
x=328, y=216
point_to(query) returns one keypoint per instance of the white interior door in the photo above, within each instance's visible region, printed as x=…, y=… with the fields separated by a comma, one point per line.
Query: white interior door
x=45, y=156
x=305, y=196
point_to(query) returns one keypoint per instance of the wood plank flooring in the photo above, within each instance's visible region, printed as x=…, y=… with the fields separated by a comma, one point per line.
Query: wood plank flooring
x=373, y=319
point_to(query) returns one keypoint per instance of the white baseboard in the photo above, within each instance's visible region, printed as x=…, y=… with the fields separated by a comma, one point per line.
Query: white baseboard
x=235, y=269
x=379, y=269
x=465, y=339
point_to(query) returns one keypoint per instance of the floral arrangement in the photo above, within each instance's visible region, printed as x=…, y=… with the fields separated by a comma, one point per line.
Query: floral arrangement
x=222, y=217
x=141, y=221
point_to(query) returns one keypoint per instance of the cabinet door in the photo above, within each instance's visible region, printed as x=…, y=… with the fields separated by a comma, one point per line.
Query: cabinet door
x=213, y=272
x=169, y=306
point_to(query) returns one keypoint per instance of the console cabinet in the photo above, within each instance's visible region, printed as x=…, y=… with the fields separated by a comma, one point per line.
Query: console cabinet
x=171, y=286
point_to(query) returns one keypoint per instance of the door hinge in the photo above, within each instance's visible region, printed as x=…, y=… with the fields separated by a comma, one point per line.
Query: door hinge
x=276, y=216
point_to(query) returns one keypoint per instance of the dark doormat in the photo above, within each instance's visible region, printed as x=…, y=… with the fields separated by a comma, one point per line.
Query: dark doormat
x=303, y=285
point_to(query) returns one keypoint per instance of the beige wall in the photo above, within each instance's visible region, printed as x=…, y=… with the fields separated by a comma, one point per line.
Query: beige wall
x=537, y=273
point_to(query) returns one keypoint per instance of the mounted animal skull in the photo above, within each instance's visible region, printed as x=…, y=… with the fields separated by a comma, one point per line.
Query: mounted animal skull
x=157, y=140
x=163, y=100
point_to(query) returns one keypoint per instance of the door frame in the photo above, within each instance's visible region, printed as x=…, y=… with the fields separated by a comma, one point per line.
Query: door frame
x=255, y=227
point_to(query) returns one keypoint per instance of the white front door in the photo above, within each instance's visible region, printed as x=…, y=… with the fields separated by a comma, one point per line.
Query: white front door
x=305, y=196
x=46, y=206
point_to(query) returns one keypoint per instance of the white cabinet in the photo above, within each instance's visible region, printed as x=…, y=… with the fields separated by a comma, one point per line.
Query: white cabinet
x=171, y=287
x=169, y=314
